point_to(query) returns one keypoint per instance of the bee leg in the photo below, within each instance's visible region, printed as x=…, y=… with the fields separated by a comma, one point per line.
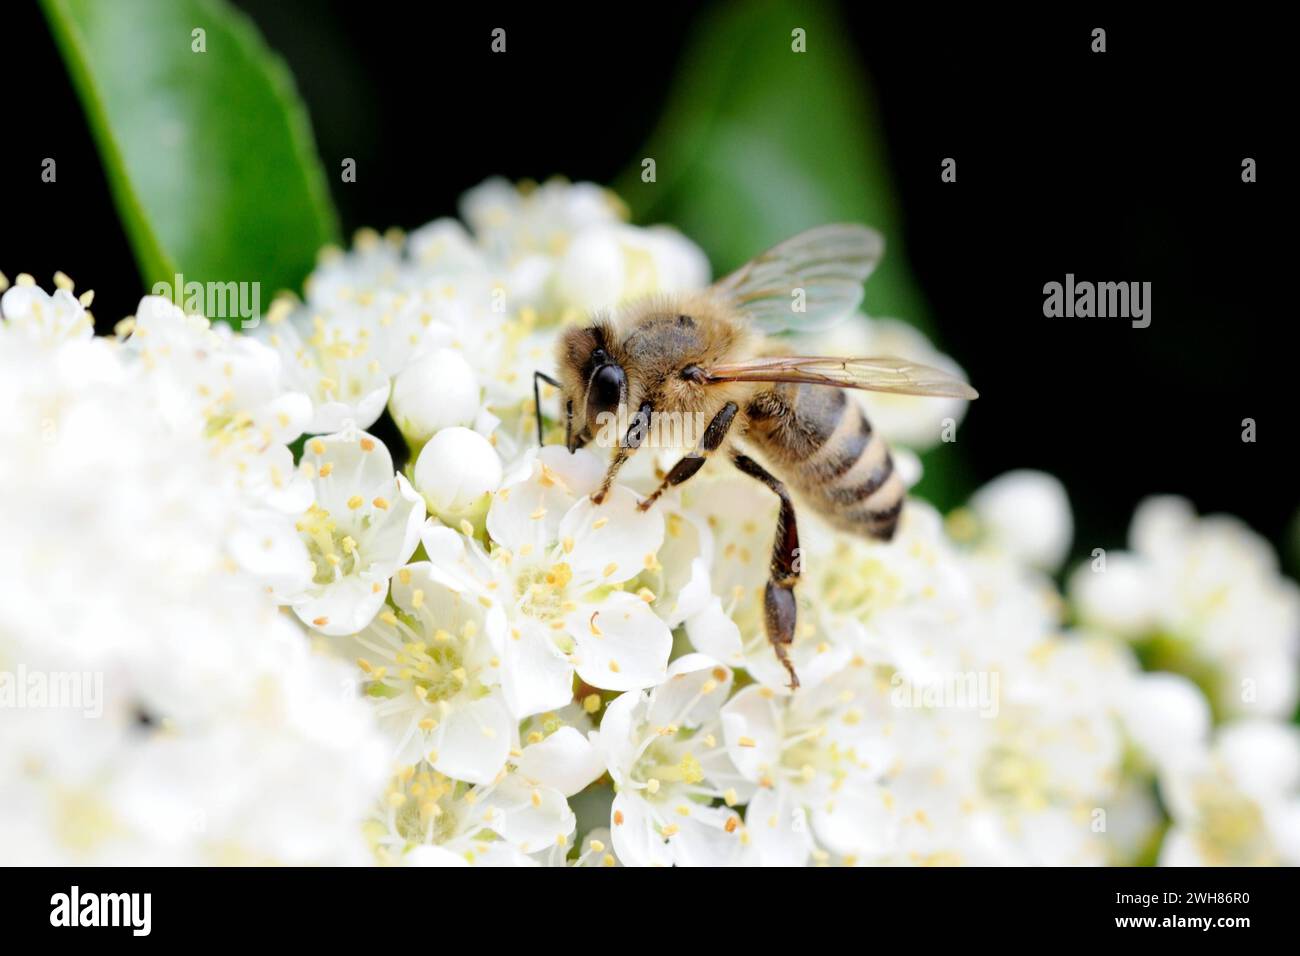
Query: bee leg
x=538, y=377
x=714, y=435
x=636, y=433
x=780, y=611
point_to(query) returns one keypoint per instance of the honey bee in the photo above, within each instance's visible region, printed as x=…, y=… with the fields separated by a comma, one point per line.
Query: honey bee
x=706, y=354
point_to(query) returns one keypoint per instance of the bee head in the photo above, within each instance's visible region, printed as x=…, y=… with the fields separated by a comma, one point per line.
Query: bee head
x=593, y=380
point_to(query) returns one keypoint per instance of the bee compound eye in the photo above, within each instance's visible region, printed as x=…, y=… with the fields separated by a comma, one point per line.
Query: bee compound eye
x=606, y=390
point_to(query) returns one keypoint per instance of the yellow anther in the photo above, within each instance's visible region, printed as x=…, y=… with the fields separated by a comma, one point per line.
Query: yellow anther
x=317, y=446
x=355, y=502
x=380, y=503
x=591, y=703
x=747, y=742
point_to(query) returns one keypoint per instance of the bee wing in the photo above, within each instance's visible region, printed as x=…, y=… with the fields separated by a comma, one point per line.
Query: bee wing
x=886, y=374
x=829, y=263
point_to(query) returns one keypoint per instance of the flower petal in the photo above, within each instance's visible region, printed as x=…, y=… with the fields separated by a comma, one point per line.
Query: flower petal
x=565, y=761
x=613, y=541
x=620, y=644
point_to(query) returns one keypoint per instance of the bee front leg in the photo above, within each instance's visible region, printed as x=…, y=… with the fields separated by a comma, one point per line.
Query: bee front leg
x=714, y=435
x=538, y=377
x=636, y=433
x=780, y=611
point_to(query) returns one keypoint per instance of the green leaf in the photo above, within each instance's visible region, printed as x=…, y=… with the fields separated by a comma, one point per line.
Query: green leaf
x=759, y=142
x=209, y=155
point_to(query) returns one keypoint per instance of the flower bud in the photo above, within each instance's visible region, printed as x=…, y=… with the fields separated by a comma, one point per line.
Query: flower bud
x=433, y=392
x=456, y=468
x=1027, y=514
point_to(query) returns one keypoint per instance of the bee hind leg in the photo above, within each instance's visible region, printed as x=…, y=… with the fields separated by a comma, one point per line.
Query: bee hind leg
x=780, y=610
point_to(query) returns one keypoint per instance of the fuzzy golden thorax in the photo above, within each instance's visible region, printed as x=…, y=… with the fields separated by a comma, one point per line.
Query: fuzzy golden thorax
x=656, y=352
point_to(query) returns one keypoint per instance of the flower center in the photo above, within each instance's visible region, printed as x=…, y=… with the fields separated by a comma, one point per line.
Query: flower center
x=858, y=587
x=542, y=591
x=333, y=553
x=428, y=806
x=666, y=762
x=343, y=371
x=1015, y=777
x=1230, y=827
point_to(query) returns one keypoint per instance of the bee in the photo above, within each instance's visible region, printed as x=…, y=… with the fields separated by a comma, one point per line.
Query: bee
x=784, y=420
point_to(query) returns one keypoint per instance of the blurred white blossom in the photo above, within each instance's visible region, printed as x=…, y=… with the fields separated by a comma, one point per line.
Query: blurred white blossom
x=309, y=656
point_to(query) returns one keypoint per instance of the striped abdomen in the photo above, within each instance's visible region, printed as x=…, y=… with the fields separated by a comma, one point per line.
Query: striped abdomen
x=820, y=442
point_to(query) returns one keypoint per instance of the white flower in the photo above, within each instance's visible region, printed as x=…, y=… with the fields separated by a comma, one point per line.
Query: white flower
x=607, y=265
x=665, y=755
x=513, y=223
x=558, y=569
x=332, y=359
x=1204, y=596
x=229, y=388
x=432, y=665
x=440, y=821
x=30, y=311
x=1027, y=514
x=211, y=733
x=456, y=470
x=1238, y=802
x=363, y=525
x=815, y=759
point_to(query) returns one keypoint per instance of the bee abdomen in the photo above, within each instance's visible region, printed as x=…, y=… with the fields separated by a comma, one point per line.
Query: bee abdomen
x=824, y=446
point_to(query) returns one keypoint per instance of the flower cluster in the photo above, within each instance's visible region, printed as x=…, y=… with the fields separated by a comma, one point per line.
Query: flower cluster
x=323, y=655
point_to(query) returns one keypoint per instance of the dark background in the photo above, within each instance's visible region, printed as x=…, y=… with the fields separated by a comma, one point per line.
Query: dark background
x=1124, y=166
